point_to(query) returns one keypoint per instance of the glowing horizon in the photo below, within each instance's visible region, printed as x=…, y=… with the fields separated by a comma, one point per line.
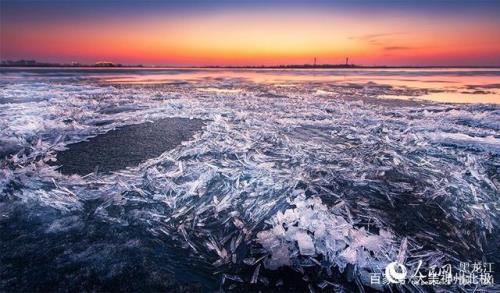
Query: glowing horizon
x=196, y=33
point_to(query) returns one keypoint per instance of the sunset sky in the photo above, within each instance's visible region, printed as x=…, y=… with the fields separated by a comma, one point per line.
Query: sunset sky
x=184, y=33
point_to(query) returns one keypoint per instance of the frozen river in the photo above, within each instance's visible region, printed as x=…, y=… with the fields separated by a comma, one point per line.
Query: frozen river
x=296, y=179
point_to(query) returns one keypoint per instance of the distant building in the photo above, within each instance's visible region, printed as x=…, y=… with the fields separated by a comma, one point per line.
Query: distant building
x=105, y=64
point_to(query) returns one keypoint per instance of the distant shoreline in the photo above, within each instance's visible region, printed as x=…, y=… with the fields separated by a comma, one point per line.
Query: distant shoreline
x=30, y=63
x=326, y=66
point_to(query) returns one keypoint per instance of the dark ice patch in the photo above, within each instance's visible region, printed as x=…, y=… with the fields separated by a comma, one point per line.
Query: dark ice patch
x=120, y=109
x=126, y=146
x=45, y=251
x=483, y=86
x=8, y=148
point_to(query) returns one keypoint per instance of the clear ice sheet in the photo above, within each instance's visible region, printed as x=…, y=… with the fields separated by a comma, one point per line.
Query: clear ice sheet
x=282, y=177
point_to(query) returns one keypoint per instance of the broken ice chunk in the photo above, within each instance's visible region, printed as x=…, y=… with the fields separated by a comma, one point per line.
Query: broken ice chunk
x=350, y=255
x=311, y=229
x=306, y=245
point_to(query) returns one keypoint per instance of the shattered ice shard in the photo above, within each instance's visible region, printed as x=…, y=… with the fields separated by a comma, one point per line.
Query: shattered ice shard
x=306, y=245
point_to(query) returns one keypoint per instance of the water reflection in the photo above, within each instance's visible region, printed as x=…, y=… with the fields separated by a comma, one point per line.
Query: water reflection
x=457, y=85
x=464, y=85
